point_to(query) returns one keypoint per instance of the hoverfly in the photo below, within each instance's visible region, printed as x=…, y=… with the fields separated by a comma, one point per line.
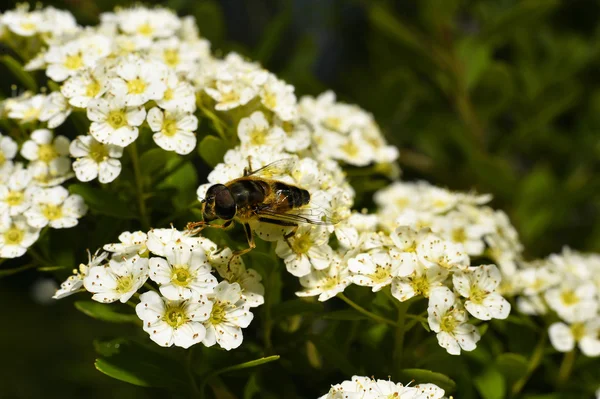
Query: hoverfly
x=253, y=197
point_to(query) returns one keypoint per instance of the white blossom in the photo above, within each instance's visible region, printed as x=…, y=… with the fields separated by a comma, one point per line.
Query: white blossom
x=95, y=159
x=178, y=323
x=173, y=130
x=54, y=207
x=118, y=280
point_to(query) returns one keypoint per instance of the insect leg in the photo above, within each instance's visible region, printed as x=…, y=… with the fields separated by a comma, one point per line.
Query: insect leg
x=248, y=170
x=194, y=228
x=251, y=244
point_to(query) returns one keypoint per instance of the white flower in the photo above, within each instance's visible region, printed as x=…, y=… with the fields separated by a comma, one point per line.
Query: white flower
x=326, y=283
x=95, y=159
x=229, y=95
x=297, y=135
x=56, y=208
x=255, y=131
x=385, y=389
x=22, y=22
x=449, y=321
x=159, y=241
x=422, y=281
x=157, y=22
x=113, y=122
x=16, y=195
x=85, y=86
x=179, y=95
x=48, y=153
x=55, y=110
x=235, y=272
x=138, y=81
x=43, y=177
x=306, y=249
x=117, y=280
x=67, y=60
x=228, y=316
x=26, y=107
x=478, y=284
x=587, y=335
x=176, y=323
x=8, y=151
x=185, y=273
x=131, y=244
x=573, y=301
x=371, y=270
x=173, y=131
x=278, y=96
x=74, y=283
x=16, y=235
x=433, y=250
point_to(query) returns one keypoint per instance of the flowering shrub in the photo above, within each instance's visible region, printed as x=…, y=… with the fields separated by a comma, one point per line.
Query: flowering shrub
x=137, y=102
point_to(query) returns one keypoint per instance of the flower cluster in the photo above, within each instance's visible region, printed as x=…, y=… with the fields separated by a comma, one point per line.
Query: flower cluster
x=458, y=217
x=31, y=197
x=566, y=285
x=187, y=304
x=369, y=388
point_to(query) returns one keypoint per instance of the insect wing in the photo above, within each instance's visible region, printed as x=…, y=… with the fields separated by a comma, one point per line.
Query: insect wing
x=281, y=167
x=299, y=216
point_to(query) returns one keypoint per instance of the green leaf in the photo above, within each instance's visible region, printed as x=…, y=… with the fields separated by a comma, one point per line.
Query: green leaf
x=118, y=372
x=490, y=384
x=212, y=150
x=425, y=376
x=295, y=307
x=252, y=388
x=9, y=272
x=105, y=312
x=103, y=202
x=512, y=366
x=271, y=36
x=17, y=69
x=155, y=160
x=137, y=365
x=476, y=58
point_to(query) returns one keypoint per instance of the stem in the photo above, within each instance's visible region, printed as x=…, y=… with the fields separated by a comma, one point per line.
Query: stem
x=190, y=373
x=565, y=368
x=534, y=362
x=139, y=186
x=399, y=337
x=364, y=311
x=38, y=257
x=9, y=272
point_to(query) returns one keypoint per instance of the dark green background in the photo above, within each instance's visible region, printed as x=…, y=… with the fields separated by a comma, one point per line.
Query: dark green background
x=498, y=96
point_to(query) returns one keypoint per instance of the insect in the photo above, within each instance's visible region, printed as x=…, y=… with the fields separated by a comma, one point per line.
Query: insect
x=255, y=197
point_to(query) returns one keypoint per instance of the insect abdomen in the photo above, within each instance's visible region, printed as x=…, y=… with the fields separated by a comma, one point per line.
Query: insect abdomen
x=294, y=196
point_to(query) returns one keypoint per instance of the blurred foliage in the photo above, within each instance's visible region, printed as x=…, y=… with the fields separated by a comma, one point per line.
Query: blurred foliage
x=497, y=96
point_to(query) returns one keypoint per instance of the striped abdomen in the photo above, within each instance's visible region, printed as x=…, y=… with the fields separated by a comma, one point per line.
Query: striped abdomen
x=289, y=197
x=276, y=195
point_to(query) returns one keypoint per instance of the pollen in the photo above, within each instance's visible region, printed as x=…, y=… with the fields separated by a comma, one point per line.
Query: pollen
x=98, y=152
x=124, y=284
x=14, y=198
x=181, y=276
x=145, y=29
x=569, y=297
x=92, y=89
x=171, y=57
x=117, y=119
x=52, y=212
x=218, y=313
x=47, y=153
x=136, y=86
x=74, y=61
x=13, y=236
x=169, y=127
x=175, y=316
